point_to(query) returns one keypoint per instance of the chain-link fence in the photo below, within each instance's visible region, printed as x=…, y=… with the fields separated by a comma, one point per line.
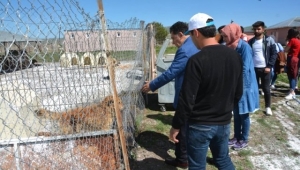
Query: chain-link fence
x=65, y=102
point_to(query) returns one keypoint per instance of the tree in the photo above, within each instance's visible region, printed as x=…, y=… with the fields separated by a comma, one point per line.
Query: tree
x=160, y=32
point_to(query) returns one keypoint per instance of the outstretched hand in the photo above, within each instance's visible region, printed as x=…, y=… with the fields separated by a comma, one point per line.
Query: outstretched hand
x=146, y=87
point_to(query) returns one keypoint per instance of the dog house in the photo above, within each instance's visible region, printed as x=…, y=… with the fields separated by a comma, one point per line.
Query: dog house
x=101, y=58
x=68, y=59
x=88, y=58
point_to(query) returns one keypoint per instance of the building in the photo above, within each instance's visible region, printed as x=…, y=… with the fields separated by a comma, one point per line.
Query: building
x=93, y=40
x=11, y=41
x=280, y=29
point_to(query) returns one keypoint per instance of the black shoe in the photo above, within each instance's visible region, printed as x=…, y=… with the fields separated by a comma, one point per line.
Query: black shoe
x=175, y=163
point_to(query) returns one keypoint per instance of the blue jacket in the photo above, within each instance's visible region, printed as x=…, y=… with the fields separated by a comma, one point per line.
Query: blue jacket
x=176, y=70
x=249, y=101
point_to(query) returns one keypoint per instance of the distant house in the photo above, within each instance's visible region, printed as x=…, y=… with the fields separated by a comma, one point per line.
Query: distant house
x=93, y=40
x=280, y=29
x=248, y=30
x=19, y=42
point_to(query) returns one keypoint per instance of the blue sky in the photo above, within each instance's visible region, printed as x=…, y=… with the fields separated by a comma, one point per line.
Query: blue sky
x=167, y=12
x=49, y=18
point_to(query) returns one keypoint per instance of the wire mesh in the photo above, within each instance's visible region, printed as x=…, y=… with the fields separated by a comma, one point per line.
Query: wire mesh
x=56, y=100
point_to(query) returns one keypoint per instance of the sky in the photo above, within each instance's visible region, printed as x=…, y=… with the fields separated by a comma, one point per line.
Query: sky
x=49, y=18
x=167, y=12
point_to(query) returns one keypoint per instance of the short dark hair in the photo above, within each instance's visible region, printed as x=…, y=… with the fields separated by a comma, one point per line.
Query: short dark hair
x=221, y=27
x=242, y=28
x=179, y=27
x=292, y=33
x=209, y=31
x=259, y=24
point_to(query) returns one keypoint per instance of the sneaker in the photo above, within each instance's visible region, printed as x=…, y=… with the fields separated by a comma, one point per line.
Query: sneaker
x=268, y=111
x=289, y=97
x=232, y=141
x=261, y=93
x=240, y=145
x=272, y=87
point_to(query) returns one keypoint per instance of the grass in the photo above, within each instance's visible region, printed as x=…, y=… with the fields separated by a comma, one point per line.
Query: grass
x=267, y=136
x=282, y=77
x=48, y=57
x=169, y=49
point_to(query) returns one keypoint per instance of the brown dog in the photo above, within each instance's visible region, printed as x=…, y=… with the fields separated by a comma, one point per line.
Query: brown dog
x=90, y=118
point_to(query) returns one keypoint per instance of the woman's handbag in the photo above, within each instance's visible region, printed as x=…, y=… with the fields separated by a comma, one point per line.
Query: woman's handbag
x=280, y=62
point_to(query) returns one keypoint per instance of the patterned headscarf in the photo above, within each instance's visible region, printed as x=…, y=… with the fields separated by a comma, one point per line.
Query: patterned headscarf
x=233, y=33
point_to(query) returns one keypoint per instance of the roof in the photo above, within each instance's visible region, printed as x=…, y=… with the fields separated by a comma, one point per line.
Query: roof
x=293, y=22
x=9, y=37
x=248, y=29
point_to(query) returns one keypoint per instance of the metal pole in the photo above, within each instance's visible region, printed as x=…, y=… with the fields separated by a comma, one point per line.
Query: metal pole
x=111, y=71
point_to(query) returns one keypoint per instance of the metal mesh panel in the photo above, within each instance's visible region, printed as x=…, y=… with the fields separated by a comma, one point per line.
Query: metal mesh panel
x=57, y=109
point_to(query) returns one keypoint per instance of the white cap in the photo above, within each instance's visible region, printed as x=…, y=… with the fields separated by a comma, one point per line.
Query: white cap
x=199, y=21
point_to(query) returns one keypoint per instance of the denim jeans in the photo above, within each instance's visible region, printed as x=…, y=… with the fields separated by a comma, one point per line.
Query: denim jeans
x=273, y=76
x=241, y=125
x=265, y=84
x=200, y=137
x=293, y=82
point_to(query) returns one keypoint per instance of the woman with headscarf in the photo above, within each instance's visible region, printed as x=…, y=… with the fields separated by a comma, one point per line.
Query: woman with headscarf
x=249, y=101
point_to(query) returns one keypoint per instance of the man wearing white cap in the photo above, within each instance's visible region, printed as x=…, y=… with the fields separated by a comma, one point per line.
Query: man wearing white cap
x=213, y=84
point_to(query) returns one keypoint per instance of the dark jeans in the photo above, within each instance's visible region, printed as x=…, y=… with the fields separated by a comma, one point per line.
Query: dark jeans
x=265, y=79
x=180, y=147
x=200, y=137
x=273, y=76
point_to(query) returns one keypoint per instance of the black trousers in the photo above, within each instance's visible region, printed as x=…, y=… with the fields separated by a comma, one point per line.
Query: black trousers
x=265, y=79
x=180, y=147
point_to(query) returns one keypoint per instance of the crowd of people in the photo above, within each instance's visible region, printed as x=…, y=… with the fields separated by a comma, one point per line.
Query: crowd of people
x=217, y=79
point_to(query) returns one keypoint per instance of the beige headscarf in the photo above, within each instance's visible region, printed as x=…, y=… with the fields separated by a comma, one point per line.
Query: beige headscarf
x=233, y=32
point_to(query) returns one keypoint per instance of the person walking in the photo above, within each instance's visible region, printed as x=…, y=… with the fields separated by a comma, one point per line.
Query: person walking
x=264, y=57
x=249, y=102
x=213, y=84
x=185, y=50
x=278, y=67
x=293, y=50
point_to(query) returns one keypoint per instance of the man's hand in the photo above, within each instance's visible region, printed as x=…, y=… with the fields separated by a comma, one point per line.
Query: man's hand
x=146, y=87
x=267, y=70
x=173, y=134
